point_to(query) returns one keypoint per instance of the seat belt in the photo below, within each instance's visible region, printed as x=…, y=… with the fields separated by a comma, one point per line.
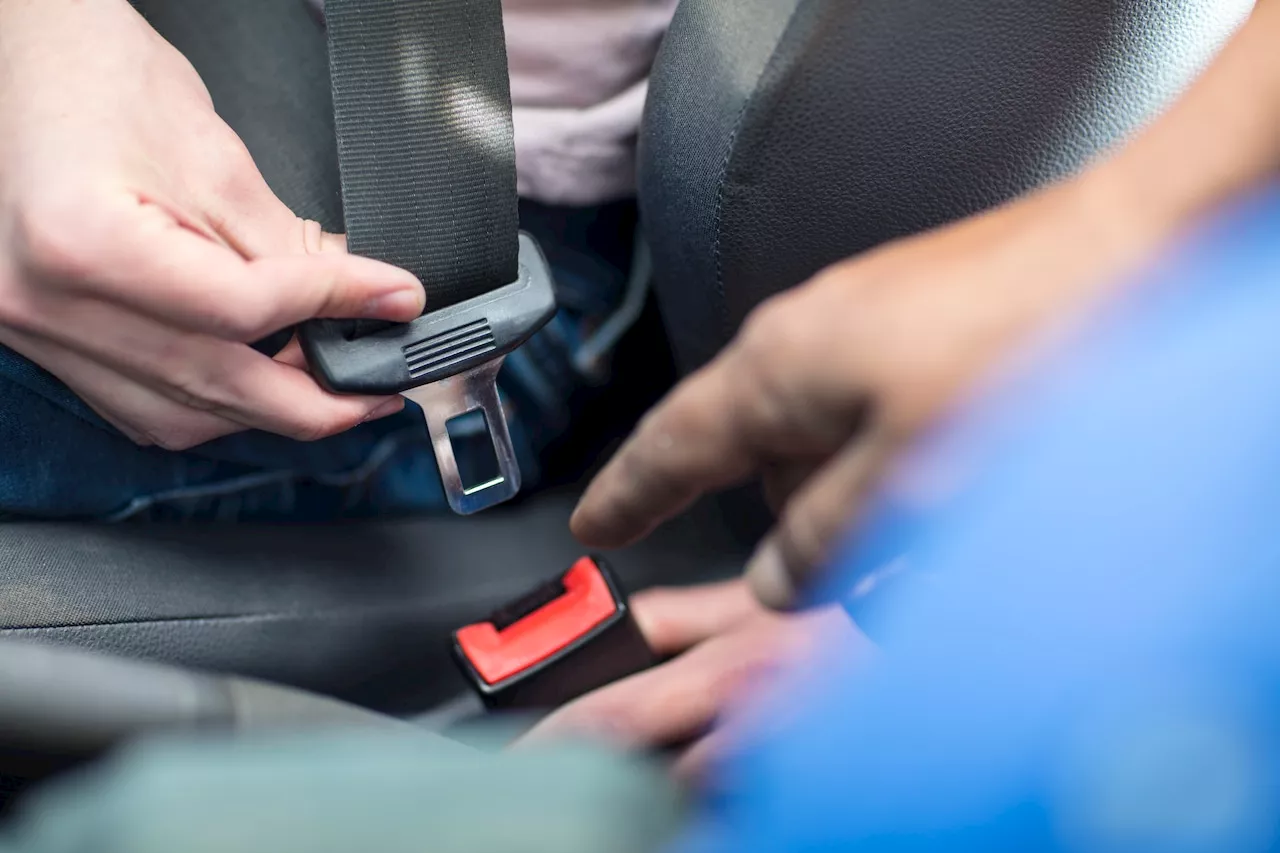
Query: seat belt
x=422, y=102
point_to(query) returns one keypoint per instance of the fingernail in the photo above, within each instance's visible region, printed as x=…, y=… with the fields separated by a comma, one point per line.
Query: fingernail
x=386, y=409
x=769, y=579
x=398, y=304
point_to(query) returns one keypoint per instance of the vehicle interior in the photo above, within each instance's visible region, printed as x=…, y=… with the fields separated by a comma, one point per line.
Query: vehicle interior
x=780, y=136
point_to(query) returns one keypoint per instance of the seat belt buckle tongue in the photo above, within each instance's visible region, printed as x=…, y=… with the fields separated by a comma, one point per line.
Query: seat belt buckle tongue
x=446, y=361
x=453, y=397
x=561, y=640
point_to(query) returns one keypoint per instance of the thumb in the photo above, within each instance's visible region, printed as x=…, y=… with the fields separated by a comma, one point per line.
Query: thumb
x=815, y=518
x=263, y=229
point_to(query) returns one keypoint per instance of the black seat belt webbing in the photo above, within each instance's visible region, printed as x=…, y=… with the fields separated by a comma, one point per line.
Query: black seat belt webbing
x=422, y=102
x=426, y=149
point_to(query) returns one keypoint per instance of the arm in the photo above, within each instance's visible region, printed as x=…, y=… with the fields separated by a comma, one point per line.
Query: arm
x=1221, y=138
x=910, y=327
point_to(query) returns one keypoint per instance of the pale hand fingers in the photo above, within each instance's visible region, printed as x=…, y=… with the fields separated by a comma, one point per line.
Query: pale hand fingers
x=767, y=709
x=265, y=394
x=816, y=517
x=678, y=700
x=675, y=619
x=138, y=256
x=143, y=416
x=226, y=379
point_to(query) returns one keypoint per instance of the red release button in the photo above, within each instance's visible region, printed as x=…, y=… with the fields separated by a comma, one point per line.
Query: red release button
x=498, y=655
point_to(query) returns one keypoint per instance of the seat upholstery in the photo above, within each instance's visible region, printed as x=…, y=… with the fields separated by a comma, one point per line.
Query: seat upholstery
x=784, y=135
x=781, y=135
x=361, y=612
x=266, y=65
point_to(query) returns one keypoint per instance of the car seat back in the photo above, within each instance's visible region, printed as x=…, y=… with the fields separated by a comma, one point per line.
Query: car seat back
x=784, y=135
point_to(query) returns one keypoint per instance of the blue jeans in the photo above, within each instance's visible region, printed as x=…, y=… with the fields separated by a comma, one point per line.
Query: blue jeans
x=60, y=460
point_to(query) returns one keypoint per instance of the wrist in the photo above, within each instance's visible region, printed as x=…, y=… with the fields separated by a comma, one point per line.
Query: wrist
x=1114, y=232
x=1220, y=139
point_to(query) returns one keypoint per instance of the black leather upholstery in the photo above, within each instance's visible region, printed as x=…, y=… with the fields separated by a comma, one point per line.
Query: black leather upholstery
x=362, y=612
x=782, y=136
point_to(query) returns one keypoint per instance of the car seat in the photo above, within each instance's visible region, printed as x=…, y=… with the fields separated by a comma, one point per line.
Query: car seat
x=781, y=135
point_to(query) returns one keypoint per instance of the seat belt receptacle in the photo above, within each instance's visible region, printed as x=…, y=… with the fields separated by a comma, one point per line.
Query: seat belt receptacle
x=558, y=642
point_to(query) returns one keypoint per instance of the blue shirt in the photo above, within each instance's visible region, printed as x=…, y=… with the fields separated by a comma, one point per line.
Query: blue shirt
x=1081, y=646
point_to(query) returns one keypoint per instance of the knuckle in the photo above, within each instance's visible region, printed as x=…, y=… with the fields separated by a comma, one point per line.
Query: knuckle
x=230, y=164
x=229, y=176
x=724, y=683
x=188, y=384
x=769, y=314
x=757, y=334
x=785, y=331
x=652, y=424
x=243, y=319
x=746, y=659
x=802, y=539
x=777, y=341
x=308, y=235
x=56, y=241
x=774, y=357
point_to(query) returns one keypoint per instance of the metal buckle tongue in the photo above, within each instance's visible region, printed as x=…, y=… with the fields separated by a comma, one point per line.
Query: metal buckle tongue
x=447, y=362
x=441, y=402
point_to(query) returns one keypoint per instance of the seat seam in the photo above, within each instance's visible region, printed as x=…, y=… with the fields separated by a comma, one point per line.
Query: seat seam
x=726, y=316
x=489, y=591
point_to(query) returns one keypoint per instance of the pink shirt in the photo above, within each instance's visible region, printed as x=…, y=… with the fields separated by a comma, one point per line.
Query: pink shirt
x=579, y=77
